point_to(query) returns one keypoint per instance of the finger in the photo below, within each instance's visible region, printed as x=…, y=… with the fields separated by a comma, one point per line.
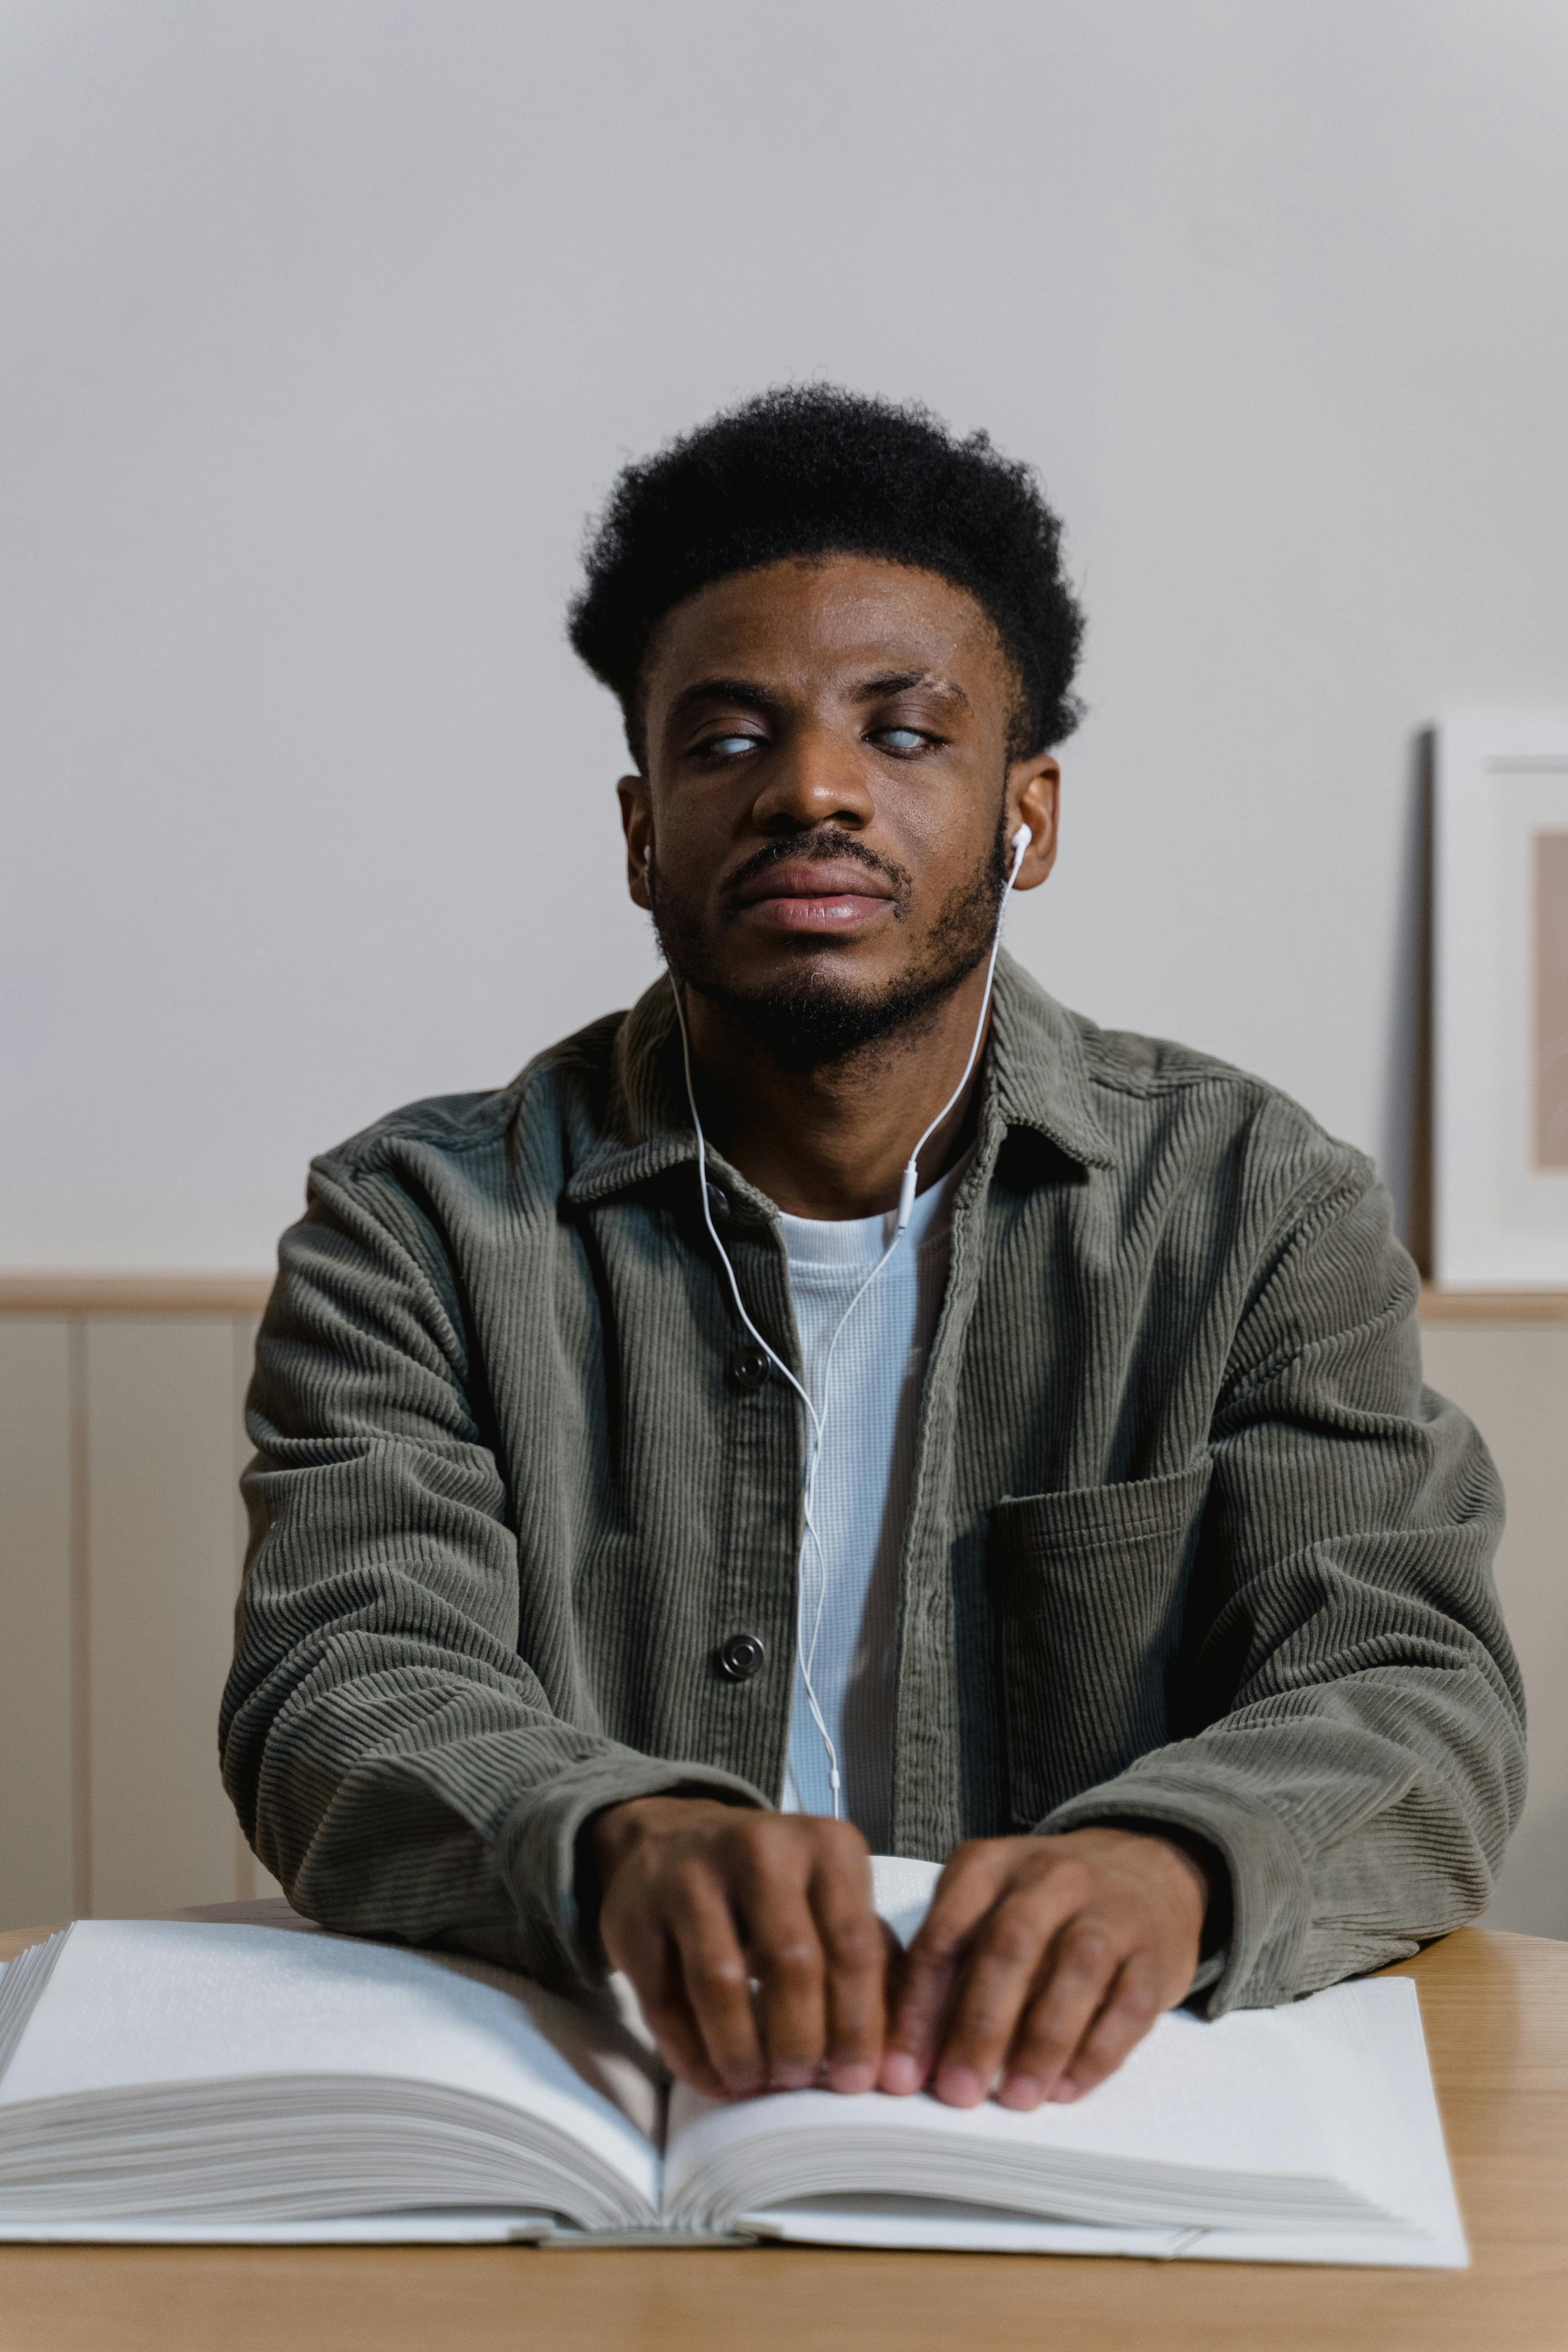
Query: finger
x=857, y=1951
x=1007, y=1957
x=716, y=1982
x=660, y=1986
x=1080, y=1968
x=789, y=1965
x=1137, y=1998
x=965, y=1892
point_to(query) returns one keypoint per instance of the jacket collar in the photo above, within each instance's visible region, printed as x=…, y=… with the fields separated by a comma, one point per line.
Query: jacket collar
x=1035, y=1077
x=1038, y=1074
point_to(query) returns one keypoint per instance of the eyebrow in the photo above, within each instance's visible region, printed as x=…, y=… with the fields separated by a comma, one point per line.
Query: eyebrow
x=724, y=689
x=899, y=681
x=871, y=689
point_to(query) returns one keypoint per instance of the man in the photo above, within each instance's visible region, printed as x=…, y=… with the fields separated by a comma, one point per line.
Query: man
x=626, y=1474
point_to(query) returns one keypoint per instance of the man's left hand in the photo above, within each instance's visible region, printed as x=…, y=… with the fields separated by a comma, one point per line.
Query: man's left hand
x=1044, y=1960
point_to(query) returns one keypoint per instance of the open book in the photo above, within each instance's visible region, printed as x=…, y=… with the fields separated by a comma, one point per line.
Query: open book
x=189, y=2082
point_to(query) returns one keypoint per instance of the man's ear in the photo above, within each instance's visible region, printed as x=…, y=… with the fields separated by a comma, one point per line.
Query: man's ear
x=636, y=824
x=1033, y=788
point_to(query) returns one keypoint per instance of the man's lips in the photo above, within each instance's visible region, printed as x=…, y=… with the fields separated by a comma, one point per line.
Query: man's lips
x=828, y=896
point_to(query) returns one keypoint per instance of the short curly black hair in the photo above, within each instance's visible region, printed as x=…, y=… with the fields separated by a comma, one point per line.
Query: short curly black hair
x=808, y=470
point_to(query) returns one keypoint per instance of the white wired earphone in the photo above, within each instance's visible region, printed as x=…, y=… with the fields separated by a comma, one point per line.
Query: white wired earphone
x=806, y=1653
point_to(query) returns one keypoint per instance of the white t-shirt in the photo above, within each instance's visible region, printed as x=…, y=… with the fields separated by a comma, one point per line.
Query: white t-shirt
x=871, y=1414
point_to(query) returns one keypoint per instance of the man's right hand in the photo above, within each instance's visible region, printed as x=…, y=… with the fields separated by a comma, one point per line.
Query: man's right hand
x=699, y=1900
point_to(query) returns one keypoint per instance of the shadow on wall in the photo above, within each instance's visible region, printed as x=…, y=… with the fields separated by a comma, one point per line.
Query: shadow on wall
x=1533, y=1897
x=1405, y=1157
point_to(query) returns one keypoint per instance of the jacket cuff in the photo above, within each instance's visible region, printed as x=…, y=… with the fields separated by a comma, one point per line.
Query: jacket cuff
x=537, y=1853
x=1270, y=1890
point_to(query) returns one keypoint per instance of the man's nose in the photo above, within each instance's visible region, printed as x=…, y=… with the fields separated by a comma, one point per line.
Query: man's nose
x=815, y=778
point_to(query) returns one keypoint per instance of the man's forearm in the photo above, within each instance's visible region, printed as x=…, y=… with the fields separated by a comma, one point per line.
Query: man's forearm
x=1345, y=1842
x=475, y=1842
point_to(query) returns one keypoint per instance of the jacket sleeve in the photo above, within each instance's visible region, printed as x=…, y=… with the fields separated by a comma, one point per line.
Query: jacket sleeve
x=1361, y=1760
x=392, y=1759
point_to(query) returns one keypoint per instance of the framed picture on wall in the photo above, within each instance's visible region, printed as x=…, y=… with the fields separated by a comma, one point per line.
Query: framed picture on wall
x=1500, y=1004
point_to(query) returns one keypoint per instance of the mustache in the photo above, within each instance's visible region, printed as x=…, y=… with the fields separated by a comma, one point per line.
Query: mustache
x=829, y=844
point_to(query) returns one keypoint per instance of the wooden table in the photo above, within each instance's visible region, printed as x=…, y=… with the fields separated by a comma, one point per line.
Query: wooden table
x=1496, y=2011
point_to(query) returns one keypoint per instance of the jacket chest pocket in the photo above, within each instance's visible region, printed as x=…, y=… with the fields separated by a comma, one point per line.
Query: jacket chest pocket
x=1090, y=1588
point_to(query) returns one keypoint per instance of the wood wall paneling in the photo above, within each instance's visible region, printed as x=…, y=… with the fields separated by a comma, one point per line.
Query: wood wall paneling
x=1512, y=1381
x=70, y=1292
x=161, y=1552
x=38, y=1764
x=120, y=1541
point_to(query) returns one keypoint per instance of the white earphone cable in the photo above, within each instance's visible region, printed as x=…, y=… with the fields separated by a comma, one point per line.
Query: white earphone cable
x=1019, y=845
x=806, y=1653
x=814, y=1446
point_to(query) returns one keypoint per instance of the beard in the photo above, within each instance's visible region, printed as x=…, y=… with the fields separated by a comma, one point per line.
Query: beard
x=803, y=1021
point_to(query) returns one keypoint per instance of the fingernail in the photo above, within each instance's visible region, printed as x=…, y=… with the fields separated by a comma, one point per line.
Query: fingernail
x=1020, y=2091
x=792, y=2078
x=849, y=2080
x=960, y=2086
x=1062, y=2094
x=901, y=2074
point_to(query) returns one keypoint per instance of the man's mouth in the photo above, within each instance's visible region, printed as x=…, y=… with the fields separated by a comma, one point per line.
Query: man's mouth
x=805, y=896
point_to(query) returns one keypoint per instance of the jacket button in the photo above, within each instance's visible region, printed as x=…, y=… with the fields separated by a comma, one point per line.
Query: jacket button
x=747, y=1370
x=740, y=1657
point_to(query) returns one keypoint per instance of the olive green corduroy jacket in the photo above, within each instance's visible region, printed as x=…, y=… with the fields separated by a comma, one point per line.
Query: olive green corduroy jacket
x=1188, y=1541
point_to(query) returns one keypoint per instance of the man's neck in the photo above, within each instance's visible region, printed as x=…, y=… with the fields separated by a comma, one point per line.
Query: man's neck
x=833, y=1142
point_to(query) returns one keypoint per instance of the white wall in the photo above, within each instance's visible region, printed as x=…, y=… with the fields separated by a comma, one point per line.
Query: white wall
x=325, y=323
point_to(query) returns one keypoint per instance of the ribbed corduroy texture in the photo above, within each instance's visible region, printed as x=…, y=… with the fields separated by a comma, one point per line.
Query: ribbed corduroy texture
x=1188, y=1541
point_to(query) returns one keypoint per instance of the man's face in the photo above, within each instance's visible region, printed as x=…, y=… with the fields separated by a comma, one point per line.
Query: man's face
x=821, y=831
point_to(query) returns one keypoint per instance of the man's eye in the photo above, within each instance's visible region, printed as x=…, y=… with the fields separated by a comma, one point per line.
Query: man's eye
x=901, y=738
x=729, y=747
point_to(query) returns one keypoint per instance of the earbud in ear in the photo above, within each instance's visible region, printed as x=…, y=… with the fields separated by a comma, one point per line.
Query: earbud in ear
x=1020, y=841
